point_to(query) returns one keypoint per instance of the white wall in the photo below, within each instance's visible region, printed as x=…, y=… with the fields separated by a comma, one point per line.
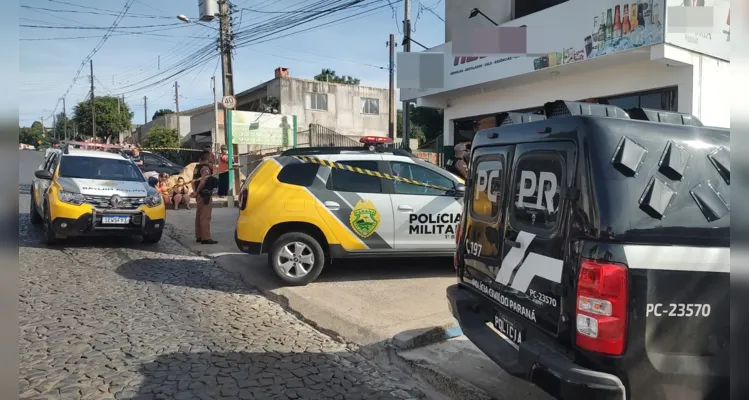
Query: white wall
x=457, y=12
x=622, y=79
x=711, y=81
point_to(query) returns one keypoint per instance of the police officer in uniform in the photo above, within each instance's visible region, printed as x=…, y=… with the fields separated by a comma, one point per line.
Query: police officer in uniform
x=458, y=165
x=203, y=184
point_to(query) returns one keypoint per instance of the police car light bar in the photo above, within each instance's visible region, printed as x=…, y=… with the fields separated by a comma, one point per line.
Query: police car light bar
x=374, y=140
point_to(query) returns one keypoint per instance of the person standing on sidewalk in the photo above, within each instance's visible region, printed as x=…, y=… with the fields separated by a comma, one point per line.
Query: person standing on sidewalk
x=223, y=168
x=203, y=185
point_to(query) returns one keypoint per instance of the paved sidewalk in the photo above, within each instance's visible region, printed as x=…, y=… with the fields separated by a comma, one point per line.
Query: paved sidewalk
x=366, y=304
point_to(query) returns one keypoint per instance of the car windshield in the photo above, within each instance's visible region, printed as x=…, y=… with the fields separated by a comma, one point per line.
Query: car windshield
x=100, y=168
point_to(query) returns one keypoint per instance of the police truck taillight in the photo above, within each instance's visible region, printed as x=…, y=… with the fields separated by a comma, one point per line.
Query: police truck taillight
x=602, y=300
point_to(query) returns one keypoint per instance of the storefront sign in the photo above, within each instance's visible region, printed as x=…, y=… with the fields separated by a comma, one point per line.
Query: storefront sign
x=715, y=41
x=583, y=30
x=262, y=129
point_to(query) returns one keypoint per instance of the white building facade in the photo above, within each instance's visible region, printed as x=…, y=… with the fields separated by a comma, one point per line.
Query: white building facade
x=624, y=53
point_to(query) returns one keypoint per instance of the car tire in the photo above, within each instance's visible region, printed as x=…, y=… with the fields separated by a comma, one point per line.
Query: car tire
x=34, y=216
x=153, y=238
x=296, y=258
x=50, y=238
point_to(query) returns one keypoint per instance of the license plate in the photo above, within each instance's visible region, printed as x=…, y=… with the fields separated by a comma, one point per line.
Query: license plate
x=508, y=328
x=115, y=219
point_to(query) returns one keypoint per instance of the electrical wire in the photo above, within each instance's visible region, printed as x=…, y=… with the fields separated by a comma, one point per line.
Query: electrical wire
x=100, y=27
x=102, y=12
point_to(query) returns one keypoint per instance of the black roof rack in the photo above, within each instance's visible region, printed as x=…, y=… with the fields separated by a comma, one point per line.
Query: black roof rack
x=561, y=108
x=665, y=117
x=512, y=118
x=311, y=151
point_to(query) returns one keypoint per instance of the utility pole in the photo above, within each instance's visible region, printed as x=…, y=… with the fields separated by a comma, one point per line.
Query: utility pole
x=65, y=121
x=145, y=110
x=54, y=125
x=225, y=40
x=406, y=48
x=158, y=63
x=391, y=97
x=93, y=108
x=176, y=105
x=214, y=136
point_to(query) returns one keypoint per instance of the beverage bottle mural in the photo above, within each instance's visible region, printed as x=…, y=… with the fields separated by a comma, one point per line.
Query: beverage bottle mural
x=626, y=26
x=641, y=6
x=617, y=24
x=633, y=16
x=648, y=12
x=595, y=33
x=654, y=13
x=609, y=26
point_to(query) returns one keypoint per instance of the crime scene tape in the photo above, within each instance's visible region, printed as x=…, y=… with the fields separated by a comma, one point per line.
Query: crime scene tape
x=363, y=171
x=190, y=182
x=167, y=148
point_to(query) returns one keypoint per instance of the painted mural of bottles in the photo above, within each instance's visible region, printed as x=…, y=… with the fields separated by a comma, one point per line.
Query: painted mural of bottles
x=617, y=29
x=609, y=25
x=626, y=26
x=641, y=6
x=655, y=13
x=602, y=32
x=633, y=16
x=648, y=12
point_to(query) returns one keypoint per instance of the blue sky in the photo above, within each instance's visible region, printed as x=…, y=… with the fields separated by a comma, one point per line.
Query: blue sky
x=125, y=63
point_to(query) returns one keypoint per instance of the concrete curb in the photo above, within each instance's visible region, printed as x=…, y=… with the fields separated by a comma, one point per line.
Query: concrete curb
x=455, y=388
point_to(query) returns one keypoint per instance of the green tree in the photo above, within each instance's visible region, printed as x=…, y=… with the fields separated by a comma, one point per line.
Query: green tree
x=416, y=131
x=64, y=122
x=161, y=136
x=430, y=120
x=163, y=111
x=329, y=75
x=31, y=135
x=112, y=117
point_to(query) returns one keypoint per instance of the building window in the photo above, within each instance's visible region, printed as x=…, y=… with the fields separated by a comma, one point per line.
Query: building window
x=662, y=99
x=528, y=7
x=318, y=101
x=370, y=106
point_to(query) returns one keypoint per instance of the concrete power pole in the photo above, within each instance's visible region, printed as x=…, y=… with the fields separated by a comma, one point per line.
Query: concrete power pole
x=225, y=40
x=65, y=121
x=93, y=106
x=176, y=105
x=391, y=95
x=214, y=136
x=406, y=48
x=145, y=110
x=54, y=125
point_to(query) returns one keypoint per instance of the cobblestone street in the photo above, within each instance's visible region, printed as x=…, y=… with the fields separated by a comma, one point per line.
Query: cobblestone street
x=114, y=318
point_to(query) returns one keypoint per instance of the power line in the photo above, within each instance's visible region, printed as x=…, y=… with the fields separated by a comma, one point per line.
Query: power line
x=101, y=27
x=106, y=12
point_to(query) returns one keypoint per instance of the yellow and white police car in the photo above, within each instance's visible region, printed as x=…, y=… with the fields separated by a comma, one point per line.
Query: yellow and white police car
x=80, y=192
x=308, y=206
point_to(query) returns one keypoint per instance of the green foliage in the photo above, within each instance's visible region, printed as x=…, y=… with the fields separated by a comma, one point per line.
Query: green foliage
x=161, y=136
x=416, y=131
x=163, y=111
x=32, y=135
x=430, y=120
x=329, y=75
x=112, y=117
x=64, y=122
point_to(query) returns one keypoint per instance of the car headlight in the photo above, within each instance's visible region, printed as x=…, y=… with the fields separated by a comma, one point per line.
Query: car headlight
x=70, y=197
x=153, y=200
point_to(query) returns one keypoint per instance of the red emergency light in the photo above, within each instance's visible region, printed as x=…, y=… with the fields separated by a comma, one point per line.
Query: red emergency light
x=374, y=140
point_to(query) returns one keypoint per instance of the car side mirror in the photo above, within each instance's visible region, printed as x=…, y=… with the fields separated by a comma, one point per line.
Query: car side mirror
x=43, y=174
x=153, y=181
x=459, y=191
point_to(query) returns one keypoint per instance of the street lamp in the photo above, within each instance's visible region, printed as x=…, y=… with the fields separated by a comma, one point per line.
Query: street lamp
x=184, y=18
x=476, y=12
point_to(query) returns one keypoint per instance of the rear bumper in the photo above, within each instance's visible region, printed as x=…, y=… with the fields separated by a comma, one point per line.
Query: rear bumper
x=247, y=247
x=89, y=224
x=534, y=361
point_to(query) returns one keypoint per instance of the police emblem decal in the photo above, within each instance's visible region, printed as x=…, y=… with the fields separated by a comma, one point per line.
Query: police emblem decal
x=364, y=218
x=115, y=201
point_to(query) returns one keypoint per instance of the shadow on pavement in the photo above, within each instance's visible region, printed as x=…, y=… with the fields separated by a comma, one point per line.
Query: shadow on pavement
x=383, y=269
x=188, y=272
x=262, y=375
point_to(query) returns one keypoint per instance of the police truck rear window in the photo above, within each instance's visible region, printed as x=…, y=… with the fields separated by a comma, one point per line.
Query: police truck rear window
x=538, y=178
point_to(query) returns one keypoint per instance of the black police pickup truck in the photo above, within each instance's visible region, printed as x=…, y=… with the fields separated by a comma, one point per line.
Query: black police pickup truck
x=593, y=252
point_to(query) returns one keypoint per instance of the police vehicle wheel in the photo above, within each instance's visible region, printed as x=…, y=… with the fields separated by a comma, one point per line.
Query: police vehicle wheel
x=49, y=235
x=153, y=238
x=297, y=258
x=36, y=219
